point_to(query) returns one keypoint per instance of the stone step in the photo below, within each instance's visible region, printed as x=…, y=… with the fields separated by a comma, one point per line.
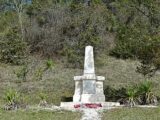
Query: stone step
x=103, y=104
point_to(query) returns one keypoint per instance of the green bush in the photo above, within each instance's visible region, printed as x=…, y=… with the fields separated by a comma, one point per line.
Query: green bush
x=11, y=96
x=146, y=94
x=77, y=27
x=22, y=73
x=112, y=94
x=13, y=50
x=131, y=96
x=137, y=34
x=12, y=99
x=49, y=64
x=137, y=94
x=129, y=43
x=88, y=27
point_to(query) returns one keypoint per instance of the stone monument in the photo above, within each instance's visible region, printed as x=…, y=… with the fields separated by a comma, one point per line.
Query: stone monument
x=89, y=87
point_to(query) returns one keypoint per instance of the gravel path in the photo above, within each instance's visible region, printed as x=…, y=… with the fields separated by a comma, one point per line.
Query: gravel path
x=91, y=114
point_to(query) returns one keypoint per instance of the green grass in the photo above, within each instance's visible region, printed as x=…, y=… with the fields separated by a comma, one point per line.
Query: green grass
x=59, y=81
x=132, y=114
x=38, y=115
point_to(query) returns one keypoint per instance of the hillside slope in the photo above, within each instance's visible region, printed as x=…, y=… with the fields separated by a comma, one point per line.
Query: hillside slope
x=59, y=82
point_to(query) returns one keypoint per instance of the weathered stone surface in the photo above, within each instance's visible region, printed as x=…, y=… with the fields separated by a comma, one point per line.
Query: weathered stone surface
x=89, y=61
x=104, y=104
x=100, y=78
x=78, y=91
x=99, y=86
x=86, y=77
x=91, y=87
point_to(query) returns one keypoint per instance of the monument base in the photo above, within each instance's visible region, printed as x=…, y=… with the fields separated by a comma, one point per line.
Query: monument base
x=76, y=98
x=87, y=98
x=68, y=105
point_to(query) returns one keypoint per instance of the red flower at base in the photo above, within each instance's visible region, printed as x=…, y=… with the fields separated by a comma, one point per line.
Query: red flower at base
x=88, y=105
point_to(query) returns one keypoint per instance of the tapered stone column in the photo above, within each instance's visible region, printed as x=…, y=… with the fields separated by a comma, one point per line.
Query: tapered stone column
x=89, y=87
x=89, y=61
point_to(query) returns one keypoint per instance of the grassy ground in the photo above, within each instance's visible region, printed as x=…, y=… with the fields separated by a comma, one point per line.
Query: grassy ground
x=38, y=115
x=132, y=114
x=59, y=81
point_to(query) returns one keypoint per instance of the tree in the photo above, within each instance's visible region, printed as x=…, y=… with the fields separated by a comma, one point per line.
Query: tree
x=136, y=23
x=18, y=6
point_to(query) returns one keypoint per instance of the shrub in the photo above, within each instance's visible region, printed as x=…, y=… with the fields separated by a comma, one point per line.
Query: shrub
x=39, y=73
x=137, y=33
x=131, y=96
x=13, y=50
x=49, y=64
x=137, y=94
x=43, y=98
x=12, y=99
x=126, y=96
x=146, y=94
x=22, y=73
x=112, y=94
x=150, y=57
x=77, y=27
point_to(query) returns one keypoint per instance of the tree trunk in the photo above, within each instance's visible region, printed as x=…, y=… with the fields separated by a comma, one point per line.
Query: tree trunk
x=87, y=2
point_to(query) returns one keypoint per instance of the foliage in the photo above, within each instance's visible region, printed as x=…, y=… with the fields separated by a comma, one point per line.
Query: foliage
x=39, y=73
x=22, y=73
x=12, y=99
x=11, y=96
x=64, y=27
x=132, y=96
x=77, y=27
x=146, y=94
x=43, y=98
x=112, y=94
x=12, y=49
x=49, y=64
x=86, y=28
x=137, y=29
x=126, y=96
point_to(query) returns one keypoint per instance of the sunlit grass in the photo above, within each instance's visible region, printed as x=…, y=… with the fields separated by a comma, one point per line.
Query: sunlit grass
x=38, y=115
x=132, y=114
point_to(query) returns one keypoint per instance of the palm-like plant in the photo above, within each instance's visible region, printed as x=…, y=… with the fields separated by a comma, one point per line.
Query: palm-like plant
x=11, y=97
x=43, y=101
x=131, y=96
x=146, y=94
